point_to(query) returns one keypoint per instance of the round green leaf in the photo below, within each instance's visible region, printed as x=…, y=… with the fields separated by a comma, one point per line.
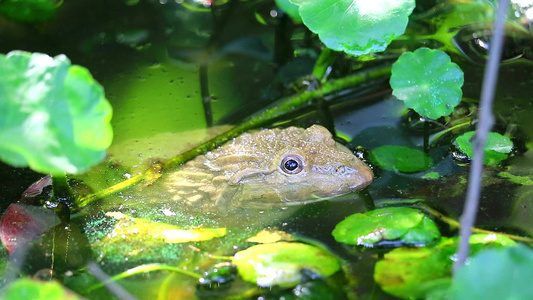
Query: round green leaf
x=428, y=82
x=497, y=146
x=507, y=274
x=400, y=158
x=407, y=225
x=356, y=26
x=54, y=116
x=281, y=263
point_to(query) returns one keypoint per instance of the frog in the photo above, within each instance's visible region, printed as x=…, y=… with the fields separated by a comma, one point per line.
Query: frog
x=271, y=167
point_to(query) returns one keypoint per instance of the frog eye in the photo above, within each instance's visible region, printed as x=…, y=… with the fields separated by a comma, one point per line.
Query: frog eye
x=292, y=164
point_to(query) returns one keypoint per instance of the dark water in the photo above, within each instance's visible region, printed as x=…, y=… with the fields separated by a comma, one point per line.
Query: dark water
x=159, y=62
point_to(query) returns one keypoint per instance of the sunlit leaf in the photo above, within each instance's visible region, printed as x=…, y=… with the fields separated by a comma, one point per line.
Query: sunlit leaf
x=26, y=288
x=270, y=236
x=356, y=26
x=414, y=273
x=29, y=10
x=282, y=263
x=507, y=274
x=428, y=82
x=497, y=146
x=401, y=224
x=149, y=232
x=400, y=158
x=290, y=9
x=54, y=116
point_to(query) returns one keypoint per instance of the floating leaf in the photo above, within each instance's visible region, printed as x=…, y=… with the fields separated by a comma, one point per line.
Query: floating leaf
x=507, y=274
x=414, y=273
x=356, y=26
x=428, y=82
x=29, y=10
x=281, y=263
x=148, y=232
x=399, y=224
x=497, y=146
x=55, y=117
x=270, y=236
x=25, y=288
x=400, y=158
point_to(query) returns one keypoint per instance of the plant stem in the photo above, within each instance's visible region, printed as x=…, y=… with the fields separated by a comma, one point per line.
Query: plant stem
x=323, y=63
x=436, y=136
x=426, y=136
x=63, y=197
x=486, y=120
x=277, y=110
x=455, y=224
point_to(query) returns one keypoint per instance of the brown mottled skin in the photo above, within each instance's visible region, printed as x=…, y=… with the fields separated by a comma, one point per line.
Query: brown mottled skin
x=251, y=171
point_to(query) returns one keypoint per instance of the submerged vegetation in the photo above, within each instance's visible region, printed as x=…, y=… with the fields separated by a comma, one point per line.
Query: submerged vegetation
x=175, y=72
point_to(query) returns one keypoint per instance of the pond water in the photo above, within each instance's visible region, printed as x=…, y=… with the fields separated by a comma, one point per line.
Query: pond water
x=178, y=74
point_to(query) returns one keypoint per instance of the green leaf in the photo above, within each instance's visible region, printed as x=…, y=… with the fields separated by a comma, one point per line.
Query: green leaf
x=407, y=225
x=400, y=158
x=281, y=263
x=416, y=273
x=145, y=232
x=28, y=10
x=25, y=288
x=428, y=82
x=497, y=146
x=290, y=9
x=356, y=26
x=507, y=274
x=55, y=117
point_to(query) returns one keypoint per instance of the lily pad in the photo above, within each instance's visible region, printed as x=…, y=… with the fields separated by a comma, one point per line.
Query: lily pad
x=428, y=82
x=55, y=117
x=400, y=158
x=26, y=288
x=497, y=146
x=356, y=26
x=282, y=263
x=402, y=224
x=507, y=274
x=415, y=273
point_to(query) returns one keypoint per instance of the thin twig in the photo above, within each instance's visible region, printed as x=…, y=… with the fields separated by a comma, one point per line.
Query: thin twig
x=486, y=120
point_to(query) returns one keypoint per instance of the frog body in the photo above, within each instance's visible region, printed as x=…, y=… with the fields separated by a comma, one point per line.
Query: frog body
x=269, y=167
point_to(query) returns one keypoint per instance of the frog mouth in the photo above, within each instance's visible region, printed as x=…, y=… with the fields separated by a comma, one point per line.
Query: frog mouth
x=262, y=204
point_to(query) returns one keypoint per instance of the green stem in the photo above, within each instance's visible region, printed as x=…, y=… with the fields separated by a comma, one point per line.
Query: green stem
x=455, y=224
x=438, y=135
x=63, y=197
x=323, y=62
x=277, y=110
